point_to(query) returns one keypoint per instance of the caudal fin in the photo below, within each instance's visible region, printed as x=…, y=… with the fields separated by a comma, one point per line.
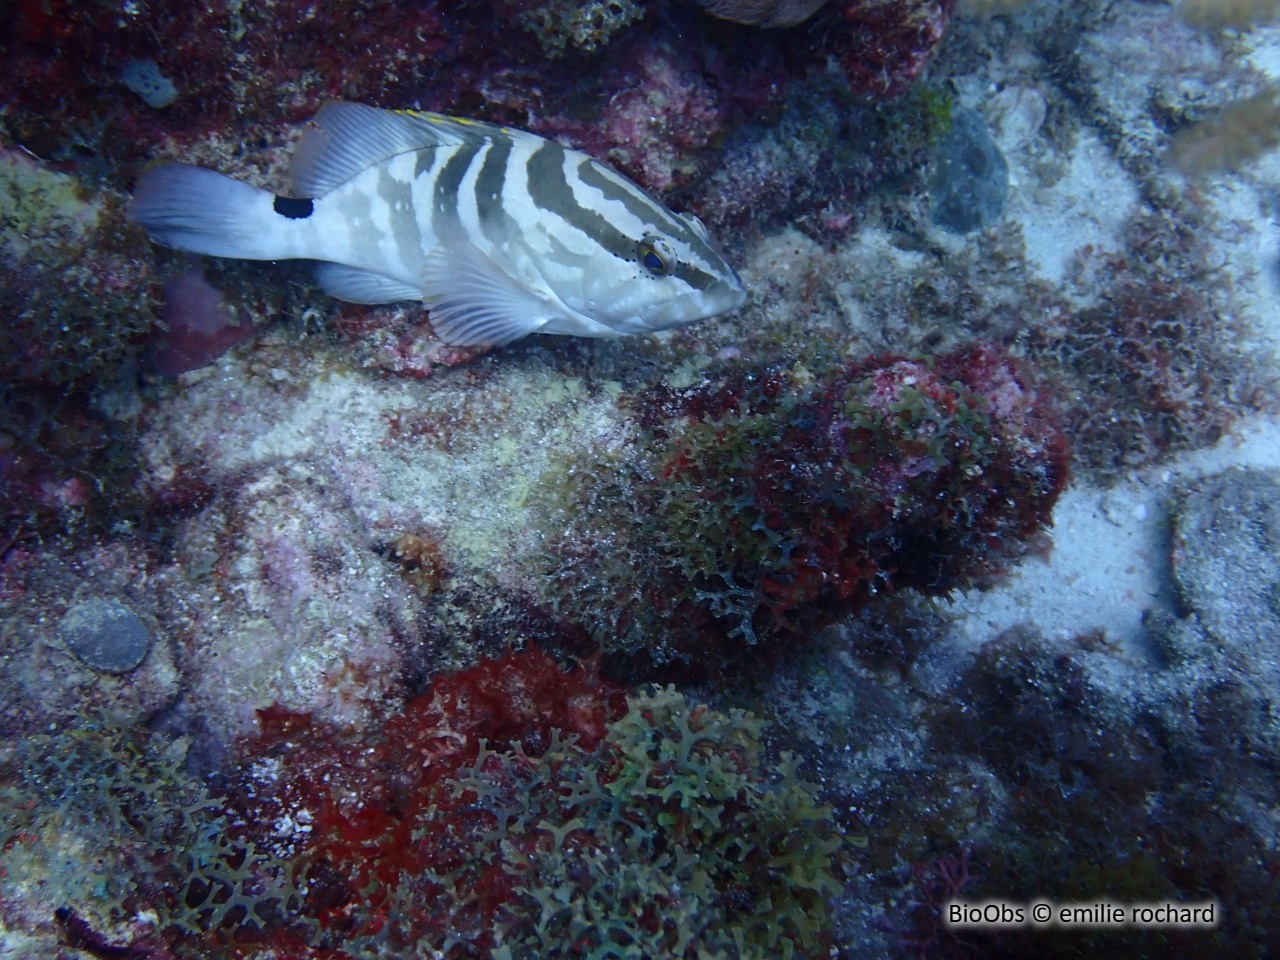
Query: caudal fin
x=202, y=211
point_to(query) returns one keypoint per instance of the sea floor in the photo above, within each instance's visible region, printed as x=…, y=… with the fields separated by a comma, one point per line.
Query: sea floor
x=1095, y=720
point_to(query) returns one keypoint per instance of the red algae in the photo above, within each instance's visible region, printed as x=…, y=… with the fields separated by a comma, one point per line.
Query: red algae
x=889, y=43
x=365, y=803
x=780, y=500
x=657, y=818
x=199, y=325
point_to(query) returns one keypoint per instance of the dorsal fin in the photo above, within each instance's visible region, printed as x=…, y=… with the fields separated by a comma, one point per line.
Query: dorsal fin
x=346, y=138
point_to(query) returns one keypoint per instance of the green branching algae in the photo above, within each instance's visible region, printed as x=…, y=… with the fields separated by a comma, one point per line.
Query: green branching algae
x=143, y=836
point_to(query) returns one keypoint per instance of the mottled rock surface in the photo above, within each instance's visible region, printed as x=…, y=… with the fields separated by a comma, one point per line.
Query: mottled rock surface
x=970, y=176
x=1226, y=559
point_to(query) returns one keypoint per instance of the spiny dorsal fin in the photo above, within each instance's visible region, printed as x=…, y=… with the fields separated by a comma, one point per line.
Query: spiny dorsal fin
x=346, y=138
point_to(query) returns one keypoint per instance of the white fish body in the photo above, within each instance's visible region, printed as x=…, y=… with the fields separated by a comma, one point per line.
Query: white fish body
x=500, y=233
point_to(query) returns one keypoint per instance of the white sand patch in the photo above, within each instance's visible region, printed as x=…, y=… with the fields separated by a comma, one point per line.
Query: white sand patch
x=1110, y=559
x=1261, y=47
x=1087, y=207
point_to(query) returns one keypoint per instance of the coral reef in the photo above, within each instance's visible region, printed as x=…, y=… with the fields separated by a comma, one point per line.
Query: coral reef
x=286, y=602
x=73, y=274
x=662, y=119
x=463, y=60
x=276, y=559
x=826, y=161
x=1087, y=771
x=885, y=45
x=65, y=468
x=1041, y=769
x=227, y=61
x=665, y=115
x=518, y=808
x=78, y=298
x=787, y=497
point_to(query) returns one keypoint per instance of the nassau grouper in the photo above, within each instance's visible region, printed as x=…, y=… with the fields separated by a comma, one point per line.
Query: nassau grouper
x=500, y=233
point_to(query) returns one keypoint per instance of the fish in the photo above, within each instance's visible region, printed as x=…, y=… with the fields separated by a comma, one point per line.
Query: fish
x=764, y=13
x=499, y=232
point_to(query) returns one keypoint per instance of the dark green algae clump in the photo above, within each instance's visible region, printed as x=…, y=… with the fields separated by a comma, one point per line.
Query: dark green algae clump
x=775, y=500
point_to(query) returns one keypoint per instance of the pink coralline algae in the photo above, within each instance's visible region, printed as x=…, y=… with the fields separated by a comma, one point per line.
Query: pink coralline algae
x=229, y=62
x=282, y=598
x=887, y=44
x=665, y=116
x=673, y=79
x=398, y=340
x=662, y=107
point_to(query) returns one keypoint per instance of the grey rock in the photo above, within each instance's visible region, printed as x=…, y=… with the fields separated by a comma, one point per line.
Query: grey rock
x=1226, y=559
x=106, y=635
x=144, y=78
x=970, y=175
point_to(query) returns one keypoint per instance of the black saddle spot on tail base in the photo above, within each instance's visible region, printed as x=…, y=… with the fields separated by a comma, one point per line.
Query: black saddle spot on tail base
x=294, y=208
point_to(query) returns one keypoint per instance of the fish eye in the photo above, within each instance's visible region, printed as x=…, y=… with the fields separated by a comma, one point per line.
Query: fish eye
x=656, y=255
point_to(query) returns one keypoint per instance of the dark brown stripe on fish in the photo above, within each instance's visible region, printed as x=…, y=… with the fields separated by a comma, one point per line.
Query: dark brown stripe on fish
x=551, y=193
x=593, y=175
x=444, y=197
x=496, y=223
x=403, y=218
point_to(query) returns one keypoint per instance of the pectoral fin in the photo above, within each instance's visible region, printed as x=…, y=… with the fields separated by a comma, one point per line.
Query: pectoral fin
x=473, y=301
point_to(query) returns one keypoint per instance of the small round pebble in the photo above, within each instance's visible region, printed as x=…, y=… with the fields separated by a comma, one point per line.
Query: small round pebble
x=106, y=635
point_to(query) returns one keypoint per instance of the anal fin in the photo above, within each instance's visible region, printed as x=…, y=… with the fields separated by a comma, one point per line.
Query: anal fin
x=362, y=286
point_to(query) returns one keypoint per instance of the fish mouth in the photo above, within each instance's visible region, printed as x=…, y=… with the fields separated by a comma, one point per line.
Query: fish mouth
x=728, y=297
x=738, y=293
x=690, y=310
